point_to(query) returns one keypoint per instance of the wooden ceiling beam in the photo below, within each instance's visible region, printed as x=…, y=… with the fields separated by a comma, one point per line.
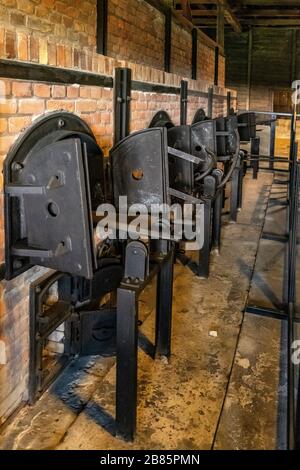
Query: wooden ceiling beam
x=271, y=21
x=265, y=3
x=230, y=16
x=186, y=9
x=271, y=12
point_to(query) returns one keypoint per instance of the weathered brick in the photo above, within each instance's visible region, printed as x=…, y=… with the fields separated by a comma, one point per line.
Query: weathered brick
x=73, y=91
x=52, y=54
x=68, y=57
x=60, y=55
x=3, y=125
x=18, y=123
x=2, y=43
x=57, y=105
x=9, y=3
x=17, y=18
x=96, y=93
x=21, y=89
x=39, y=25
x=42, y=11
x=58, y=91
x=6, y=142
x=3, y=358
x=86, y=106
x=8, y=106
x=26, y=5
x=10, y=45
x=31, y=106
x=43, y=51
x=85, y=92
x=22, y=46
x=34, y=49
x=41, y=90
x=5, y=87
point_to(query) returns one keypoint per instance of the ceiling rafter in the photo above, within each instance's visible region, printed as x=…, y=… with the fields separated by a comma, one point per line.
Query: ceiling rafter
x=242, y=14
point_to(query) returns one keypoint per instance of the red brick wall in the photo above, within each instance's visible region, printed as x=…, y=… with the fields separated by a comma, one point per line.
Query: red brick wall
x=181, y=51
x=43, y=22
x=221, y=70
x=62, y=33
x=136, y=32
x=206, y=61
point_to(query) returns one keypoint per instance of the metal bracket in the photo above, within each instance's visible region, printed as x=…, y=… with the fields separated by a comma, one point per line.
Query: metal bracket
x=53, y=170
x=122, y=92
x=136, y=261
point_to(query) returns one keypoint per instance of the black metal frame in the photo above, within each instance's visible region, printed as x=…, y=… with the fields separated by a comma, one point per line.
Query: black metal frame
x=289, y=282
x=183, y=102
x=26, y=182
x=102, y=24
x=194, y=53
x=122, y=100
x=44, y=322
x=168, y=39
x=140, y=267
x=216, y=79
x=129, y=291
x=134, y=280
x=210, y=103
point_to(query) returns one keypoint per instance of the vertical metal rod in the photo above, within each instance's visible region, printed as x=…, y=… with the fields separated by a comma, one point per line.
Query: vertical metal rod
x=228, y=103
x=293, y=228
x=210, y=103
x=127, y=348
x=293, y=416
x=272, y=144
x=102, y=21
x=183, y=102
x=255, y=144
x=217, y=214
x=204, y=253
x=249, y=71
x=122, y=99
x=234, y=196
x=241, y=182
x=209, y=190
x=168, y=40
x=164, y=308
x=216, y=79
x=194, y=53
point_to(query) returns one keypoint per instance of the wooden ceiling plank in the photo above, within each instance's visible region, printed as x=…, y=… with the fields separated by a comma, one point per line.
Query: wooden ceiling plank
x=271, y=21
x=186, y=9
x=271, y=12
x=257, y=3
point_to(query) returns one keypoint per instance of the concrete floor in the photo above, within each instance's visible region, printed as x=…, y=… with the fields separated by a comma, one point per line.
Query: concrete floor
x=220, y=390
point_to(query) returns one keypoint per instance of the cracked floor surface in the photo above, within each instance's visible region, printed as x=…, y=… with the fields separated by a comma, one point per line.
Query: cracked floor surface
x=217, y=391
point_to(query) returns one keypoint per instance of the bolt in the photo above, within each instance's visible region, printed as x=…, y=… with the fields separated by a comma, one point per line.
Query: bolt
x=17, y=166
x=61, y=123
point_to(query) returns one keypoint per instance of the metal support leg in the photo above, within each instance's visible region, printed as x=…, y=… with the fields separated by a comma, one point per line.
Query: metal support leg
x=209, y=190
x=234, y=197
x=255, y=143
x=272, y=144
x=241, y=184
x=127, y=349
x=217, y=214
x=204, y=254
x=164, y=308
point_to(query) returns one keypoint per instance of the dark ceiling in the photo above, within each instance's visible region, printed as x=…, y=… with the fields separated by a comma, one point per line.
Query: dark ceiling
x=242, y=13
